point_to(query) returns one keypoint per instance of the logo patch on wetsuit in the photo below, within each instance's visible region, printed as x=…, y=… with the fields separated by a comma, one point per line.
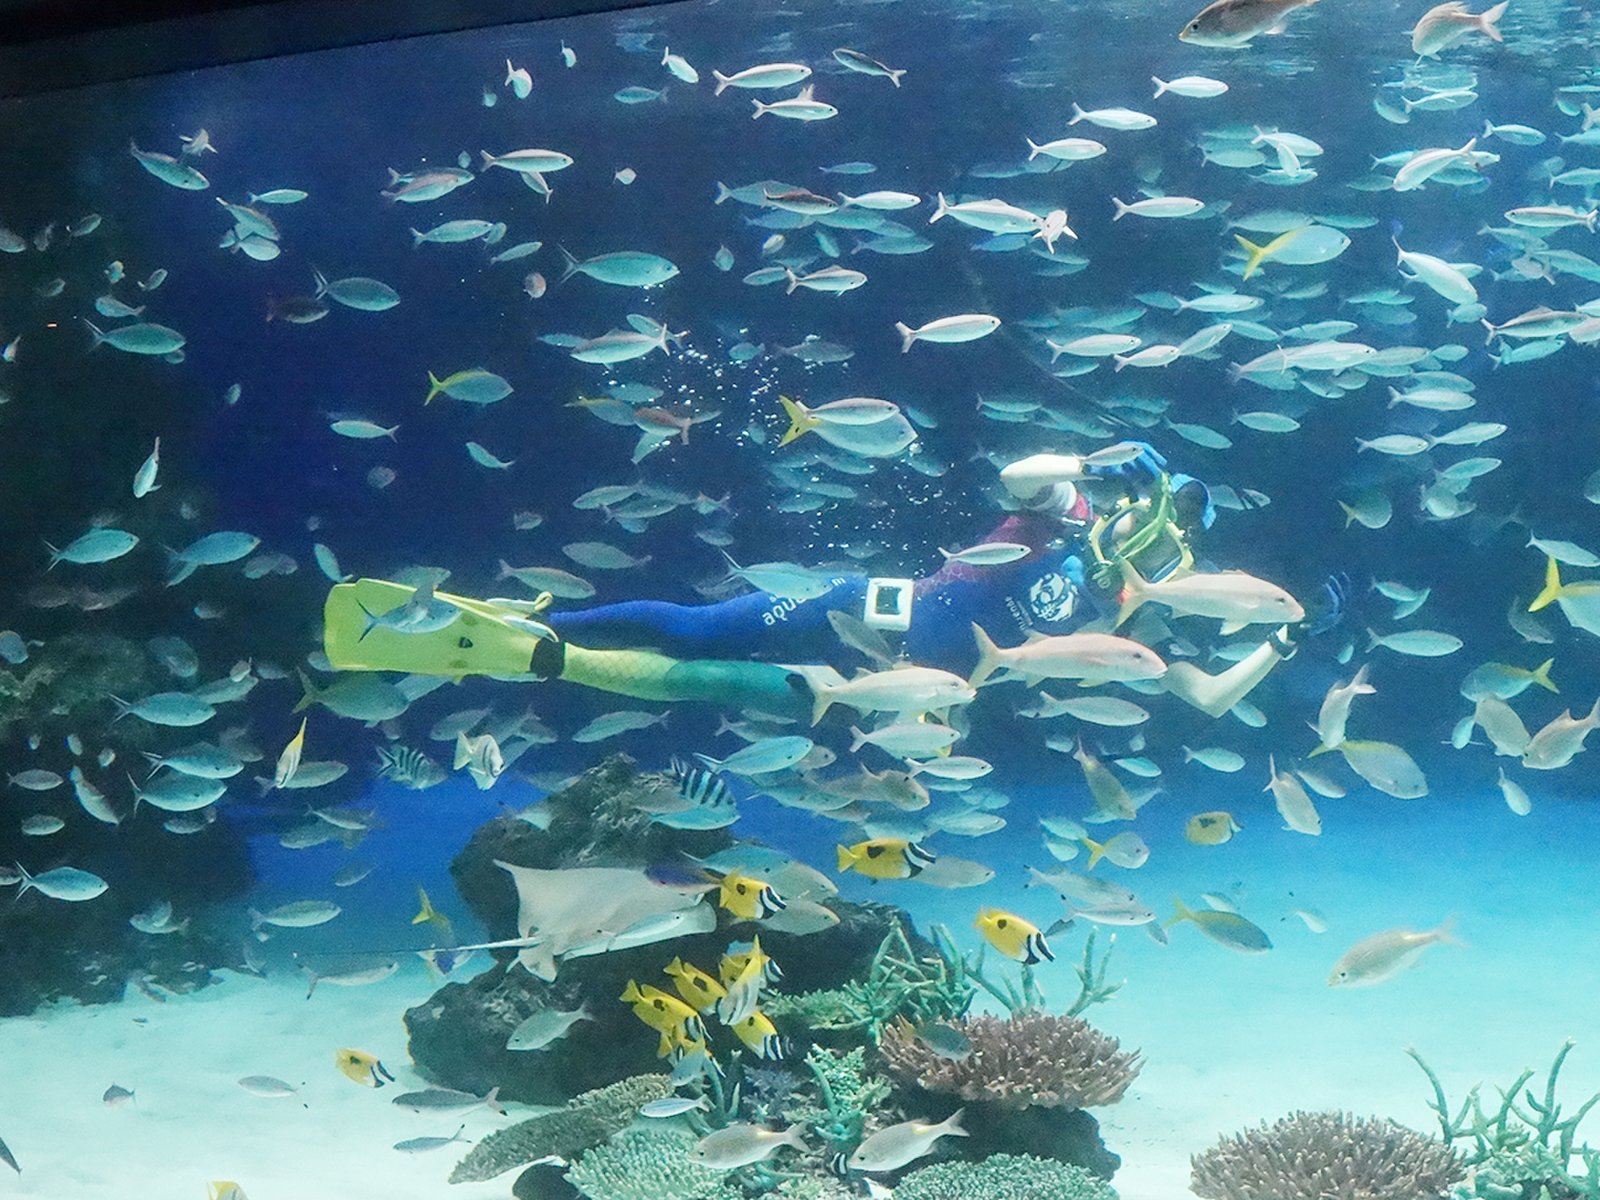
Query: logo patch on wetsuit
x=1052, y=598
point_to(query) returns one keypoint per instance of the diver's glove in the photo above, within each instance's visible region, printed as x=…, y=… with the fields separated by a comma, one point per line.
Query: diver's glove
x=1138, y=473
x=1324, y=613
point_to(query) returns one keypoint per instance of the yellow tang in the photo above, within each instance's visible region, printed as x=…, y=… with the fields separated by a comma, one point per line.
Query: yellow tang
x=1013, y=936
x=759, y=1034
x=697, y=987
x=735, y=961
x=660, y=1010
x=748, y=898
x=1210, y=828
x=884, y=858
x=362, y=1067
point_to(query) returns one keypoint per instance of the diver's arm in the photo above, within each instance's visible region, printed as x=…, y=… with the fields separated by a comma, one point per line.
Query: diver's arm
x=1027, y=478
x=1216, y=694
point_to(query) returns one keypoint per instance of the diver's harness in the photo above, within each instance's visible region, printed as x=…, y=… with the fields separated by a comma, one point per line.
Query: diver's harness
x=1152, y=522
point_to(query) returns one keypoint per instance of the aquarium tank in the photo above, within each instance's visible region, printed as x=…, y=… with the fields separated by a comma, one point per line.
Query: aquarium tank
x=952, y=599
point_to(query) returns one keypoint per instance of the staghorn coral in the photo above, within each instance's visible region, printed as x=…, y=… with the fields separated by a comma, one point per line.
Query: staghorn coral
x=1326, y=1156
x=1003, y=1177
x=585, y=1122
x=1027, y=1059
x=647, y=1164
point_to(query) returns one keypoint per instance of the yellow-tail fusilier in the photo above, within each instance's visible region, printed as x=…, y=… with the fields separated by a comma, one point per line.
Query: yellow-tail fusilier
x=428, y=915
x=1256, y=256
x=1013, y=936
x=760, y=1035
x=884, y=858
x=1225, y=928
x=748, y=898
x=362, y=1068
x=700, y=990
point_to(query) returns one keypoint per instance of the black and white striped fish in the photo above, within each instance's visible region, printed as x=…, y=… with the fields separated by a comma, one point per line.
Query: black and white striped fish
x=409, y=768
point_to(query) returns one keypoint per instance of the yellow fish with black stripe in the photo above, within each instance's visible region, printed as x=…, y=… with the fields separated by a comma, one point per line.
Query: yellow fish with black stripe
x=1013, y=936
x=884, y=858
x=362, y=1067
x=698, y=988
x=665, y=1013
x=760, y=1036
x=748, y=898
x=738, y=957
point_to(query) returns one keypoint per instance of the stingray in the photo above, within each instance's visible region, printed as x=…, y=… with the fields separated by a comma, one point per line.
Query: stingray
x=592, y=910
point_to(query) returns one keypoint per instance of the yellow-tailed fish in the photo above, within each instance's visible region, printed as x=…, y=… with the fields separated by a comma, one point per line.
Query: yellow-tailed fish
x=884, y=858
x=744, y=989
x=748, y=898
x=1013, y=936
x=427, y=914
x=660, y=1010
x=1256, y=256
x=1210, y=828
x=289, y=760
x=700, y=990
x=362, y=1068
x=1226, y=928
x=760, y=1035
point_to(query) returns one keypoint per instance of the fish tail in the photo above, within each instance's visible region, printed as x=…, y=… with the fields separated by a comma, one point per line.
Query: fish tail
x=821, y=701
x=417, y=238
x=1541, y=676
x=124, y=707
x=492, y=1103
x=27, y=881
x=724, y=192
x=1488, y=334
x=988, y=657
x=94, y=332
x=760, y=108
x=308, y=695
x=55, y=554
x=801, y=422
x=1254, y=255
x=1122, y=209
x=952, y=1124
x=320, y=280
x=1034, y=149
x=1077, y=114
x=907, y=336
x=488, y=159
x=722, y=82
x=1161, y=87
x=857, y=740
x=1374, y=640
x=1552, y=587
x=941, y=208
x=894, y=74
x=1181, y=912
x=569, y=265
x=1134, y=593
x=845, y=858
x=435, y=386
x=1097, y=851
x=1445, y=934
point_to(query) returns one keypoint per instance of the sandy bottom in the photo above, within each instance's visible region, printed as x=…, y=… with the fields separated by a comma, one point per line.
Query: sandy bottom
x=1229, y=1039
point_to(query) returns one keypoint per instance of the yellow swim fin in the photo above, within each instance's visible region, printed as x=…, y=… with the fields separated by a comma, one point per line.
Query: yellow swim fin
x=488, y=638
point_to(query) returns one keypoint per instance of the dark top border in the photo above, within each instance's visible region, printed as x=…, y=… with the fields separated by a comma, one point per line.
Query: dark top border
x=50, y=45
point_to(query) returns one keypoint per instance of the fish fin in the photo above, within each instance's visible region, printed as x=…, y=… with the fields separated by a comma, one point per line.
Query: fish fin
x=907, y=336
x=941, y=208
x=309, y=692
x=1231, y=627
x=1552, y=587
x=988, y=657
x=1181, y=912
x=435, y=386
x=845, y=858
x=821, y=701
x=1161, y=88
x=1097, y=851
x=1541, y=676
x=894, y=74
x=569, y=265
x=1122, y=209
x=1077, y=113
x=1445, y=934
x=801, y=422
x=1034, y=149
x=722, y=85
x=952, y=1124
x=1254, y=255
x=492, y=1102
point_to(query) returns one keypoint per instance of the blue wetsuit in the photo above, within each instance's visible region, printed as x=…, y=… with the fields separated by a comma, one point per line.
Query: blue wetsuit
x=1045, y=591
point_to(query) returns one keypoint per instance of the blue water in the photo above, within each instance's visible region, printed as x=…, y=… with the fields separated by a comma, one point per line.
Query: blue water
x=979, y=79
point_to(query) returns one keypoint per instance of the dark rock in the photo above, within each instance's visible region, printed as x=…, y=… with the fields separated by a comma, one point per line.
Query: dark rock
x=458, y=1035
x=1070, y=1135
x=543, y=1183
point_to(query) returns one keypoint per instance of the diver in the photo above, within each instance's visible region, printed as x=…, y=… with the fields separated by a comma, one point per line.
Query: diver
x=729, y=652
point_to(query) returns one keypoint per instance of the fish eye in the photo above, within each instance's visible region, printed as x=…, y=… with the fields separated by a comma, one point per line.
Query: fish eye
x=1000, y=924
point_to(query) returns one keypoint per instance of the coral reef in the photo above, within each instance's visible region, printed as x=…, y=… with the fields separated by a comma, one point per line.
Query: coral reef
x=1326, y=1156
x=1026, y=1059
x=648, y=1164
x=1522, y=1146
x=1003, y=1177
x=584, y=1123
x=458, y=1034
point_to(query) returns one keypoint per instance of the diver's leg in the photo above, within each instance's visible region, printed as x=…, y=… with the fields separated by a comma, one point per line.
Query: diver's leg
x=646, y=675
x=757, y=622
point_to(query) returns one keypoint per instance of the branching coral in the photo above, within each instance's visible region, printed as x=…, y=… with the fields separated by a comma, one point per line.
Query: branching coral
x=586, y=1121
x=647, y=1164
x=1326, y=1156
x=1029, y=1058
x=1004, y=1177
x=1522, y=1146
